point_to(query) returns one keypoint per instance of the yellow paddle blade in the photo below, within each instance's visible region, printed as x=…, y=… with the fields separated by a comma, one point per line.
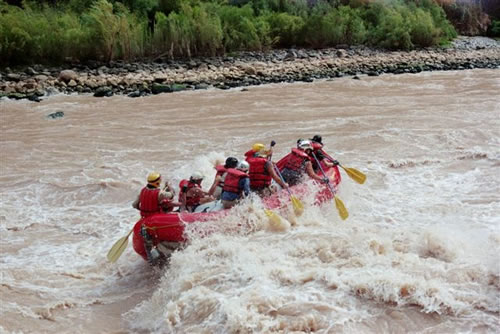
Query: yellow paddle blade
x=116, y=251
x=355, y=174
x=274, y=219
x=298, y=207
x=341, y=208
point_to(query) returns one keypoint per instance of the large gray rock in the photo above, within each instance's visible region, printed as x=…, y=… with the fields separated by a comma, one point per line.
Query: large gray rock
x=103, y=91
x=67, y=75
x=13, y=77
x=41, y=78
x=161, y=88
x=57, y=114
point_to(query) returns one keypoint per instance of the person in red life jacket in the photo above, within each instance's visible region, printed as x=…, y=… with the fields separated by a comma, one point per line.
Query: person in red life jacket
x=325, y=160
x=220, y=175
x=152, y=199
x=169, y=204
x=262, y=173
x=236, y=185
x=297, y=163
x=257, y=147
x=191, y=194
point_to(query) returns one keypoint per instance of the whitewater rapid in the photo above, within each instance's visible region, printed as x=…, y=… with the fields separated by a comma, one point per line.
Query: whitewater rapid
x=419, y=252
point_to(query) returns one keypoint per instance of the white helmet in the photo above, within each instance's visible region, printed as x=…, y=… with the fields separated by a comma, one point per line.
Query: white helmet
x=305, y=145
x=243, y=166
x=196, y=176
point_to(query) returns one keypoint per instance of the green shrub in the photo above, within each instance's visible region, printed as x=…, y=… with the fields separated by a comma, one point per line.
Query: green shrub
x=422, y=30
x=242, y=30
x=337, y=26
x=208, y=30
x=494, y=29
x=119, y=34
x=129, y=29
x=285, y=29
x=391, y=30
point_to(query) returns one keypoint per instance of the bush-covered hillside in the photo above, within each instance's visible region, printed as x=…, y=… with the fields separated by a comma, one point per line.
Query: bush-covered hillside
x=54, y=31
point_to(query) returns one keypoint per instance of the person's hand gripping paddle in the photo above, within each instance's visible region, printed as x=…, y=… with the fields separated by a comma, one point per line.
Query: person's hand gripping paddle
x=338, y=203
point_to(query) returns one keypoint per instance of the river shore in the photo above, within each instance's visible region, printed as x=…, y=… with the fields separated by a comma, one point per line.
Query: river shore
x=243, y=69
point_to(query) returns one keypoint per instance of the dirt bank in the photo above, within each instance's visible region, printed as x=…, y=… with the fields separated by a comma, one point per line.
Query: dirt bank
x=242, y=69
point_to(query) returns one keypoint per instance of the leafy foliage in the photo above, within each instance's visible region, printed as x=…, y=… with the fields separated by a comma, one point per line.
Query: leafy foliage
x=52, y=31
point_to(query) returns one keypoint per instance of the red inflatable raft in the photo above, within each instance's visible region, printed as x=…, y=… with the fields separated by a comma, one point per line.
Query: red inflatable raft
x=158, y=235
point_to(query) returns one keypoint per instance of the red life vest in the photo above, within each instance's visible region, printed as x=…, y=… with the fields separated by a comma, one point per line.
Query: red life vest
x=259, y=177
x=295, y=160
x=192, y=200
x=249, y=154
x=316, y=146
x=220, y=170
x=233, y=177
x=148, y=201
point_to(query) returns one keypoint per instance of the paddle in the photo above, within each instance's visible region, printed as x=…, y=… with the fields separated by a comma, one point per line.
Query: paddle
x=274, y=218
x=116, y=251
x=338, y=203
x=353, y=173
x=298, y=207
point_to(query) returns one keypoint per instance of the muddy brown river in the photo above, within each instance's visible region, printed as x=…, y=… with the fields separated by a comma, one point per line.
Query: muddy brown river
x=418, y=254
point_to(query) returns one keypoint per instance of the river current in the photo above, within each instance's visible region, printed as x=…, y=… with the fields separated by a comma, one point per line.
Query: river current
x=418, y=254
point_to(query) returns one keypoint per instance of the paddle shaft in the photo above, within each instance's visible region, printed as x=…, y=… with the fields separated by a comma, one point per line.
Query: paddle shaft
x=277, y=170
x=354, y=174
x=324, y=174
x=330, y=158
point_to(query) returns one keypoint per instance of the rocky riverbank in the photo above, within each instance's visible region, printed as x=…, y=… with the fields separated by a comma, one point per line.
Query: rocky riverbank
x=244, y=69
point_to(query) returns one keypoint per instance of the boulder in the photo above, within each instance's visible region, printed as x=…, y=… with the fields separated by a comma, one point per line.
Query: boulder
x=201, y=86
x=178, y=87
x=161, y=88
x=41, y=78
x=341, y=53
x=290, y=55
x=30, y=71
x=57, y=114
x=67, y=75
x=13, y=77
x=103, y=91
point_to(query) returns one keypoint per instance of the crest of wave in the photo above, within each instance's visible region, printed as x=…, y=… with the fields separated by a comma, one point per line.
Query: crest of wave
x=317, y=274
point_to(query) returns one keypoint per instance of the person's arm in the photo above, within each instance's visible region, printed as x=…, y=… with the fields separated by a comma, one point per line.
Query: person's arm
x=331, y=162
x=270, y=170
x=245, y=185
x=169, y=188
x=327, y=163
x=135, y=204
x=183, y=198
x=217, y=179
x=311, y=173
x=172, y=204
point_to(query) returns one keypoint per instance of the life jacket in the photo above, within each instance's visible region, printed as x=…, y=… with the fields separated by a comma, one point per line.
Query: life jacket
x=192, y=200
x=259, y=177
x=220, y=170
x=233, y=177
x=148, y=201
x=336, y=173
x=294, y=161
x=318, y=151
x=316, y=146
x=249, y=154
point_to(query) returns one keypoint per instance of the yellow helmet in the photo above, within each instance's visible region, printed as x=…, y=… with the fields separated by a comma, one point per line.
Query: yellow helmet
x=154, y=178
x=257, y=147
